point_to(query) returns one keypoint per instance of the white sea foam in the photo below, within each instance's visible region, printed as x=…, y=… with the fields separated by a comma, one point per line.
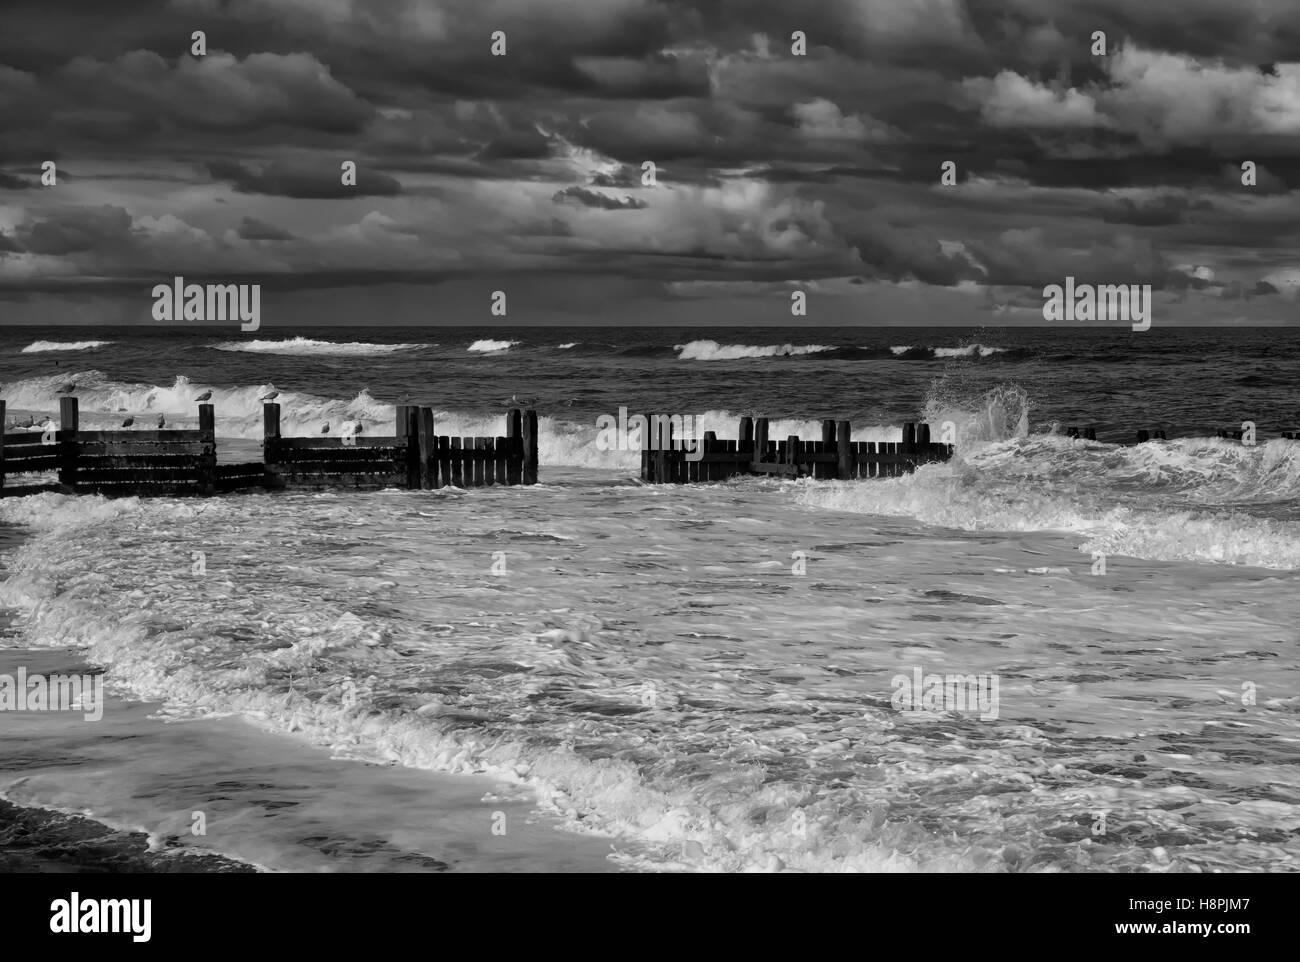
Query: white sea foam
x=40, y=347
x=713, y=351
x=969, y=350
x=307, y=346
x=489, y=346
x=654, y=671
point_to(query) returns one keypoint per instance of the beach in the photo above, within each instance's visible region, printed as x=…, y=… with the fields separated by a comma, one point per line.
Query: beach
x=687, y=678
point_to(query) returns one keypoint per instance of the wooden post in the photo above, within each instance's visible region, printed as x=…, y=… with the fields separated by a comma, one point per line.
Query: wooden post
x=708, y=470
x=457, y=464
x=669, y=473
x=844, y=450
x=530, y=447
x=1143, y=437
x=658, y=459
x=407, y=430
x=426, y=441
x=482, y=470
x=745, y=439
x=270, y=432
x=1071, y=432
x=413, y=459
x=69, y=425
x=515, y=432
x=4, y=426
x=208, y=459
x=824, y=469
x=647, y=466
x=1159, y=436
x=502, y=452
x=444, y=461
x=760, y=439
x=1090, y=434
x=489, y=461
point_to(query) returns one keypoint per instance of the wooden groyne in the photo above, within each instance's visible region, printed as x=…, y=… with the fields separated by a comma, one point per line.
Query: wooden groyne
x=669, y=459
x=184, y=462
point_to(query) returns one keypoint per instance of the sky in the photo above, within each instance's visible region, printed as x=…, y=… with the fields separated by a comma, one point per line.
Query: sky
x=797, y=146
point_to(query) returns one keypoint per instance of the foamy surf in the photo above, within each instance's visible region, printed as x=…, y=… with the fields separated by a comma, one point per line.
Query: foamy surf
x=308, y=347
x=713, y=351
x=41, y=347
x=489, y=346
x=670, y=689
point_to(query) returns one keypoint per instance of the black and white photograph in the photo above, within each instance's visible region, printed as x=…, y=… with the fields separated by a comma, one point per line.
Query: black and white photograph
x=650, y=437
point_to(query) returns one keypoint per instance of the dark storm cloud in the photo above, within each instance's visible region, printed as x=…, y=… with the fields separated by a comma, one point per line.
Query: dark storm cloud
x=10, y=182
x=1156, y=212
x=250, y=228
x=1108, y=167
x=76, y=231
x=316, y=179
x=594, y=198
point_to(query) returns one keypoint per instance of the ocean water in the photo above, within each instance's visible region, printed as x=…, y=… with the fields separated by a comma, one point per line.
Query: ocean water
x=700, y=677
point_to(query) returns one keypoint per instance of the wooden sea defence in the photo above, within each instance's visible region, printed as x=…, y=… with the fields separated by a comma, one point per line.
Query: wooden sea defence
x=666, y=459
x=184, y=462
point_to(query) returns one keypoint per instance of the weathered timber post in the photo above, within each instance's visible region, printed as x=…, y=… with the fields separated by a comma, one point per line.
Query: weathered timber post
x=515, y=432
x=489, y=461
x=1090, y=434
x=792, y=445
x=844, y=451
x=406, y=440
x=270, y=439
x=69, y=448
x=647, y=459
x=745, y=437
x=1143, y=437
x=824, y=469
x=923, y=447
x=709, y=470
x=530, y=447
x=760, y=439
x=458, y=465
x=425, y=442
x=207, y=465
x=4, y=426
x=660, y=432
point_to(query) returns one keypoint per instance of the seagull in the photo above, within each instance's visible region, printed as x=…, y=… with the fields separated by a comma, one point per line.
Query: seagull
x=325, y=428
x=269, y=397
x=516, y=399
x=162, y=422
x=67, y=388
x=205, y=396
x=31, y=422
x=128, y=422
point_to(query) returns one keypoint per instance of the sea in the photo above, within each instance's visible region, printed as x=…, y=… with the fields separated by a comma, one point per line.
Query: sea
x=596, y=674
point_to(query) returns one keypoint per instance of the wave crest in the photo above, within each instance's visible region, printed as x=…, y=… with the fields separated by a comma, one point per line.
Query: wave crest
x=40, y=347
x=713, y=351
x=307, y=346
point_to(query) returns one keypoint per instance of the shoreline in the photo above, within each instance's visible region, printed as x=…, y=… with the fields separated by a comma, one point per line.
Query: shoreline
x=272, y=802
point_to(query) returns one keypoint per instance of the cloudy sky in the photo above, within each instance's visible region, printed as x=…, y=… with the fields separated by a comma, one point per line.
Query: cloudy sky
x=775, y=171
